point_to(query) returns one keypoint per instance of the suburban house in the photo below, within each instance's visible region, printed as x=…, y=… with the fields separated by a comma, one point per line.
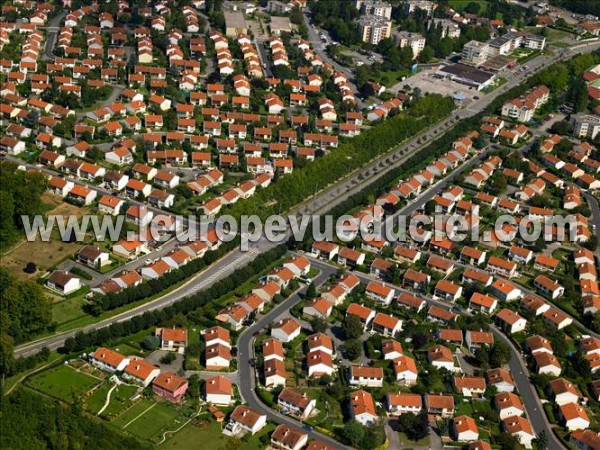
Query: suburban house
x=170, y=386
x=140, y=371
x=172, y=338
x=108, y=360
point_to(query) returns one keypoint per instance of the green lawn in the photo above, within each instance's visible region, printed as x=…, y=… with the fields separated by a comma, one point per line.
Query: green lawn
x=67, y=310
x=464, y=408
x=212, y=438
x=119, y=399
x=460, y=5
x=149, y=419
x=137, y=409
x=62, y=382
x=406, y=441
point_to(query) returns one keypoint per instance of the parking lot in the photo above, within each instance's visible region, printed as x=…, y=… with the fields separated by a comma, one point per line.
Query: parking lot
x=427, y=82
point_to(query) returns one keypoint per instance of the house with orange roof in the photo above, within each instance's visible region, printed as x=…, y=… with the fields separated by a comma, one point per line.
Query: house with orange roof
x=172, y=339
x=235, y=315
x=363, y=407
x=440, y=405
x=401, y=403
x=477, y=339
x=281, y=276
x=405, y=369
x=574, y=416
x=267, y=291
x=470, y=386
x=501, y=378
x=286, y=330
x=288, y=438
x=482, y=303
x=218, y=391
x=386, y=325
x=520, y=427
x=296, y=403
x=442, y=357
x=391, y=349
x=245, y=419
x=447, y=290
x=564, y=392
x=320, y=363
x=506, y=291
x=380, y=292
x=508, y=404
x=325, y=250
x=547, y=363
x=318, y=307
x=108, y=360
x=367, y=376
x=170, y=386
x=365, y=314
x=511, y=321
x=217, y=356
x=464, y=429
x=140, y=371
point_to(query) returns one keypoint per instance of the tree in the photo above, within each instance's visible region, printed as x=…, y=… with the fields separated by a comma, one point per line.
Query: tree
x=354, y=432
x=353, y=348
x=507, y=441
x=577, y=94
x=473, y=8
x=414, y=426
x=426, y=55
x=542, y=441
x=311, y=291
x=150, y=342
x=352, y=327
x=168, y=358
x=499, y=355
x=319, y=325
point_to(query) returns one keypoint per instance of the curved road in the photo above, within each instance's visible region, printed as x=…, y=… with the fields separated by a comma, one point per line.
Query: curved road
x=247, y=373
x=517, y=365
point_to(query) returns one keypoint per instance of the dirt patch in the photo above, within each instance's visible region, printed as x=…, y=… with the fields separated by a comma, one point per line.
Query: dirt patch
x=44, y=254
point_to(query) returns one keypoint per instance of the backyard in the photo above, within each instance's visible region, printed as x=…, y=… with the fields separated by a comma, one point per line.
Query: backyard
x=149, y=419
x=120, y=399
x=62, y=382
x=211, y=437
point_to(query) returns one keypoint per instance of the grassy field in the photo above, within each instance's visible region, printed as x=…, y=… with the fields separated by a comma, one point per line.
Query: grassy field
x=406, y=441
x=64, y=311
x=459, y=5
x=149, y=419
x=119, y=399
x=212, y=438
x=44, y=254
x=62, y=382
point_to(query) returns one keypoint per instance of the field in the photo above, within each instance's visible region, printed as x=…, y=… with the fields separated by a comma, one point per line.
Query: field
x=119, y=399
x=44, y=254
x=211, y=437
x=460, y=5
x=66, y=310
x=62, y=382
x=149, y=419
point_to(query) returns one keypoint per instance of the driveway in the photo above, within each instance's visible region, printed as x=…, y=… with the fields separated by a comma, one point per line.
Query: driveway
x=175, y=366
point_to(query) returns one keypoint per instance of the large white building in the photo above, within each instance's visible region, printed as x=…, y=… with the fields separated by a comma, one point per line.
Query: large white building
x=375, y=8
x=475, y=53
x=586, y=125
x=425, y=5
x=415, y=41
x=374, y=29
